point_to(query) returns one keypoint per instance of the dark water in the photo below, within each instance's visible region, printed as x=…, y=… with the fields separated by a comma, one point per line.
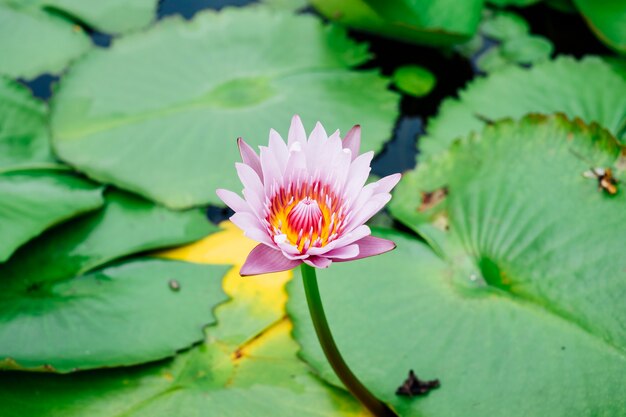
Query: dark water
x=188, y=8
x=567, y=31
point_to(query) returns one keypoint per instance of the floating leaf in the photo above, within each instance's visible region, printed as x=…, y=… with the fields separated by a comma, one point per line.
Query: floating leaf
x=514, y=3
x=414, y=80
x=126, y=225
x=504, y=26
x=120, y=315
x=24, y=140
x=33, y=201
x=431, y=22
x=242, y=76
x=125, y=314
x=290, y=5
x=33, y=42
x=258, y=301
x=606, y=18
x=492, y=60
x=523, y=311
x=527, y=49
x=111, y=16
x=241, y=369
x=588, y=89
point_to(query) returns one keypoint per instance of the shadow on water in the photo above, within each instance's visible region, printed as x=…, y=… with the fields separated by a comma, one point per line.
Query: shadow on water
x=188, y=8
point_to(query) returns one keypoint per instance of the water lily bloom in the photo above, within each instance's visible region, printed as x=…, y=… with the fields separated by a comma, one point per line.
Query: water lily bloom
x=306, y=200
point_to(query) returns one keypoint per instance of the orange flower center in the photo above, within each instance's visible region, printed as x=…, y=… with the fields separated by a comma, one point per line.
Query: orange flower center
x=309, y=215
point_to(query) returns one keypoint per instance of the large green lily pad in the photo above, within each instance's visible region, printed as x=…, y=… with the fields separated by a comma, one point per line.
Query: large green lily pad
x=430, y=22
x=240, y=370
x=170, y=135
x=24, y=140
x=33, y=42
x=126, y=225
x=58, y=313
x=589, y=89
x=111, y=16
x=521, y=312
x=121, y=315
x=606, y=18
x=33, y=201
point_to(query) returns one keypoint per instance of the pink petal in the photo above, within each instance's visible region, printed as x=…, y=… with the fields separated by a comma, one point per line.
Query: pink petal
x=272, y=172
x=359, y=171
x=279, y=149
x=371, y=246
x=289, y=250
x=318, y=261
x=253, y=188
x=249, y=157
x=249, y=178
x=233, y=200
x=296, y=132
x=318, y=135
x=357, y=234
x=345, y=252
x=251, y=227
x=295, y=164
x=315, y=149
x=386, y=184
x=371, y=207
x=363, y=197
x=352, y=141
x=263, y=260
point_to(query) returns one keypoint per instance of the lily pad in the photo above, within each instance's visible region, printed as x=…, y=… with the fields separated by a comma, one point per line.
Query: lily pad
x=414, y=80
x=606, y=18
x=513, y=3
x=522, y=313
x=492, y=60
x=121, y=315
x=33, y=42
x=589, y=89
x=111, y=16
x=430, y=22
x=257, y=302
x=24, y=140
x=171, y=136
x=527, y=49
x=52, y=290
x=503, y=26
x=33, y=201
x=126, y=225
x=239, y=370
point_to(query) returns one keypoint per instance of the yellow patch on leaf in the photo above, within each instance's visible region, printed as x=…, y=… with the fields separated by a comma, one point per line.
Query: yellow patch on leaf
x=230, y=246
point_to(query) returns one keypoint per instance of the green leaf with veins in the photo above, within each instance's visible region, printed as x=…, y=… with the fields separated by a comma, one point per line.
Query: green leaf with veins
x=33, y=201
x=527, y=49
x=51, y=289
x=521, y=312
x=606, y=19
x=111, y=16
x=33, y=42
x=247, y=365
x=126, y=225
x=242, y=76
x=429, y=22
x=503, y=26
x=24, y=139
x=589, y=89
x=121, y=315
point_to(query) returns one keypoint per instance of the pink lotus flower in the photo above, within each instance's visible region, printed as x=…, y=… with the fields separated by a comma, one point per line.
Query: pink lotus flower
x=306, y=201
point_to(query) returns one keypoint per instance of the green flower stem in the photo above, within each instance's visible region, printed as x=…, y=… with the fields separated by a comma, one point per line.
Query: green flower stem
x=373, y=404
